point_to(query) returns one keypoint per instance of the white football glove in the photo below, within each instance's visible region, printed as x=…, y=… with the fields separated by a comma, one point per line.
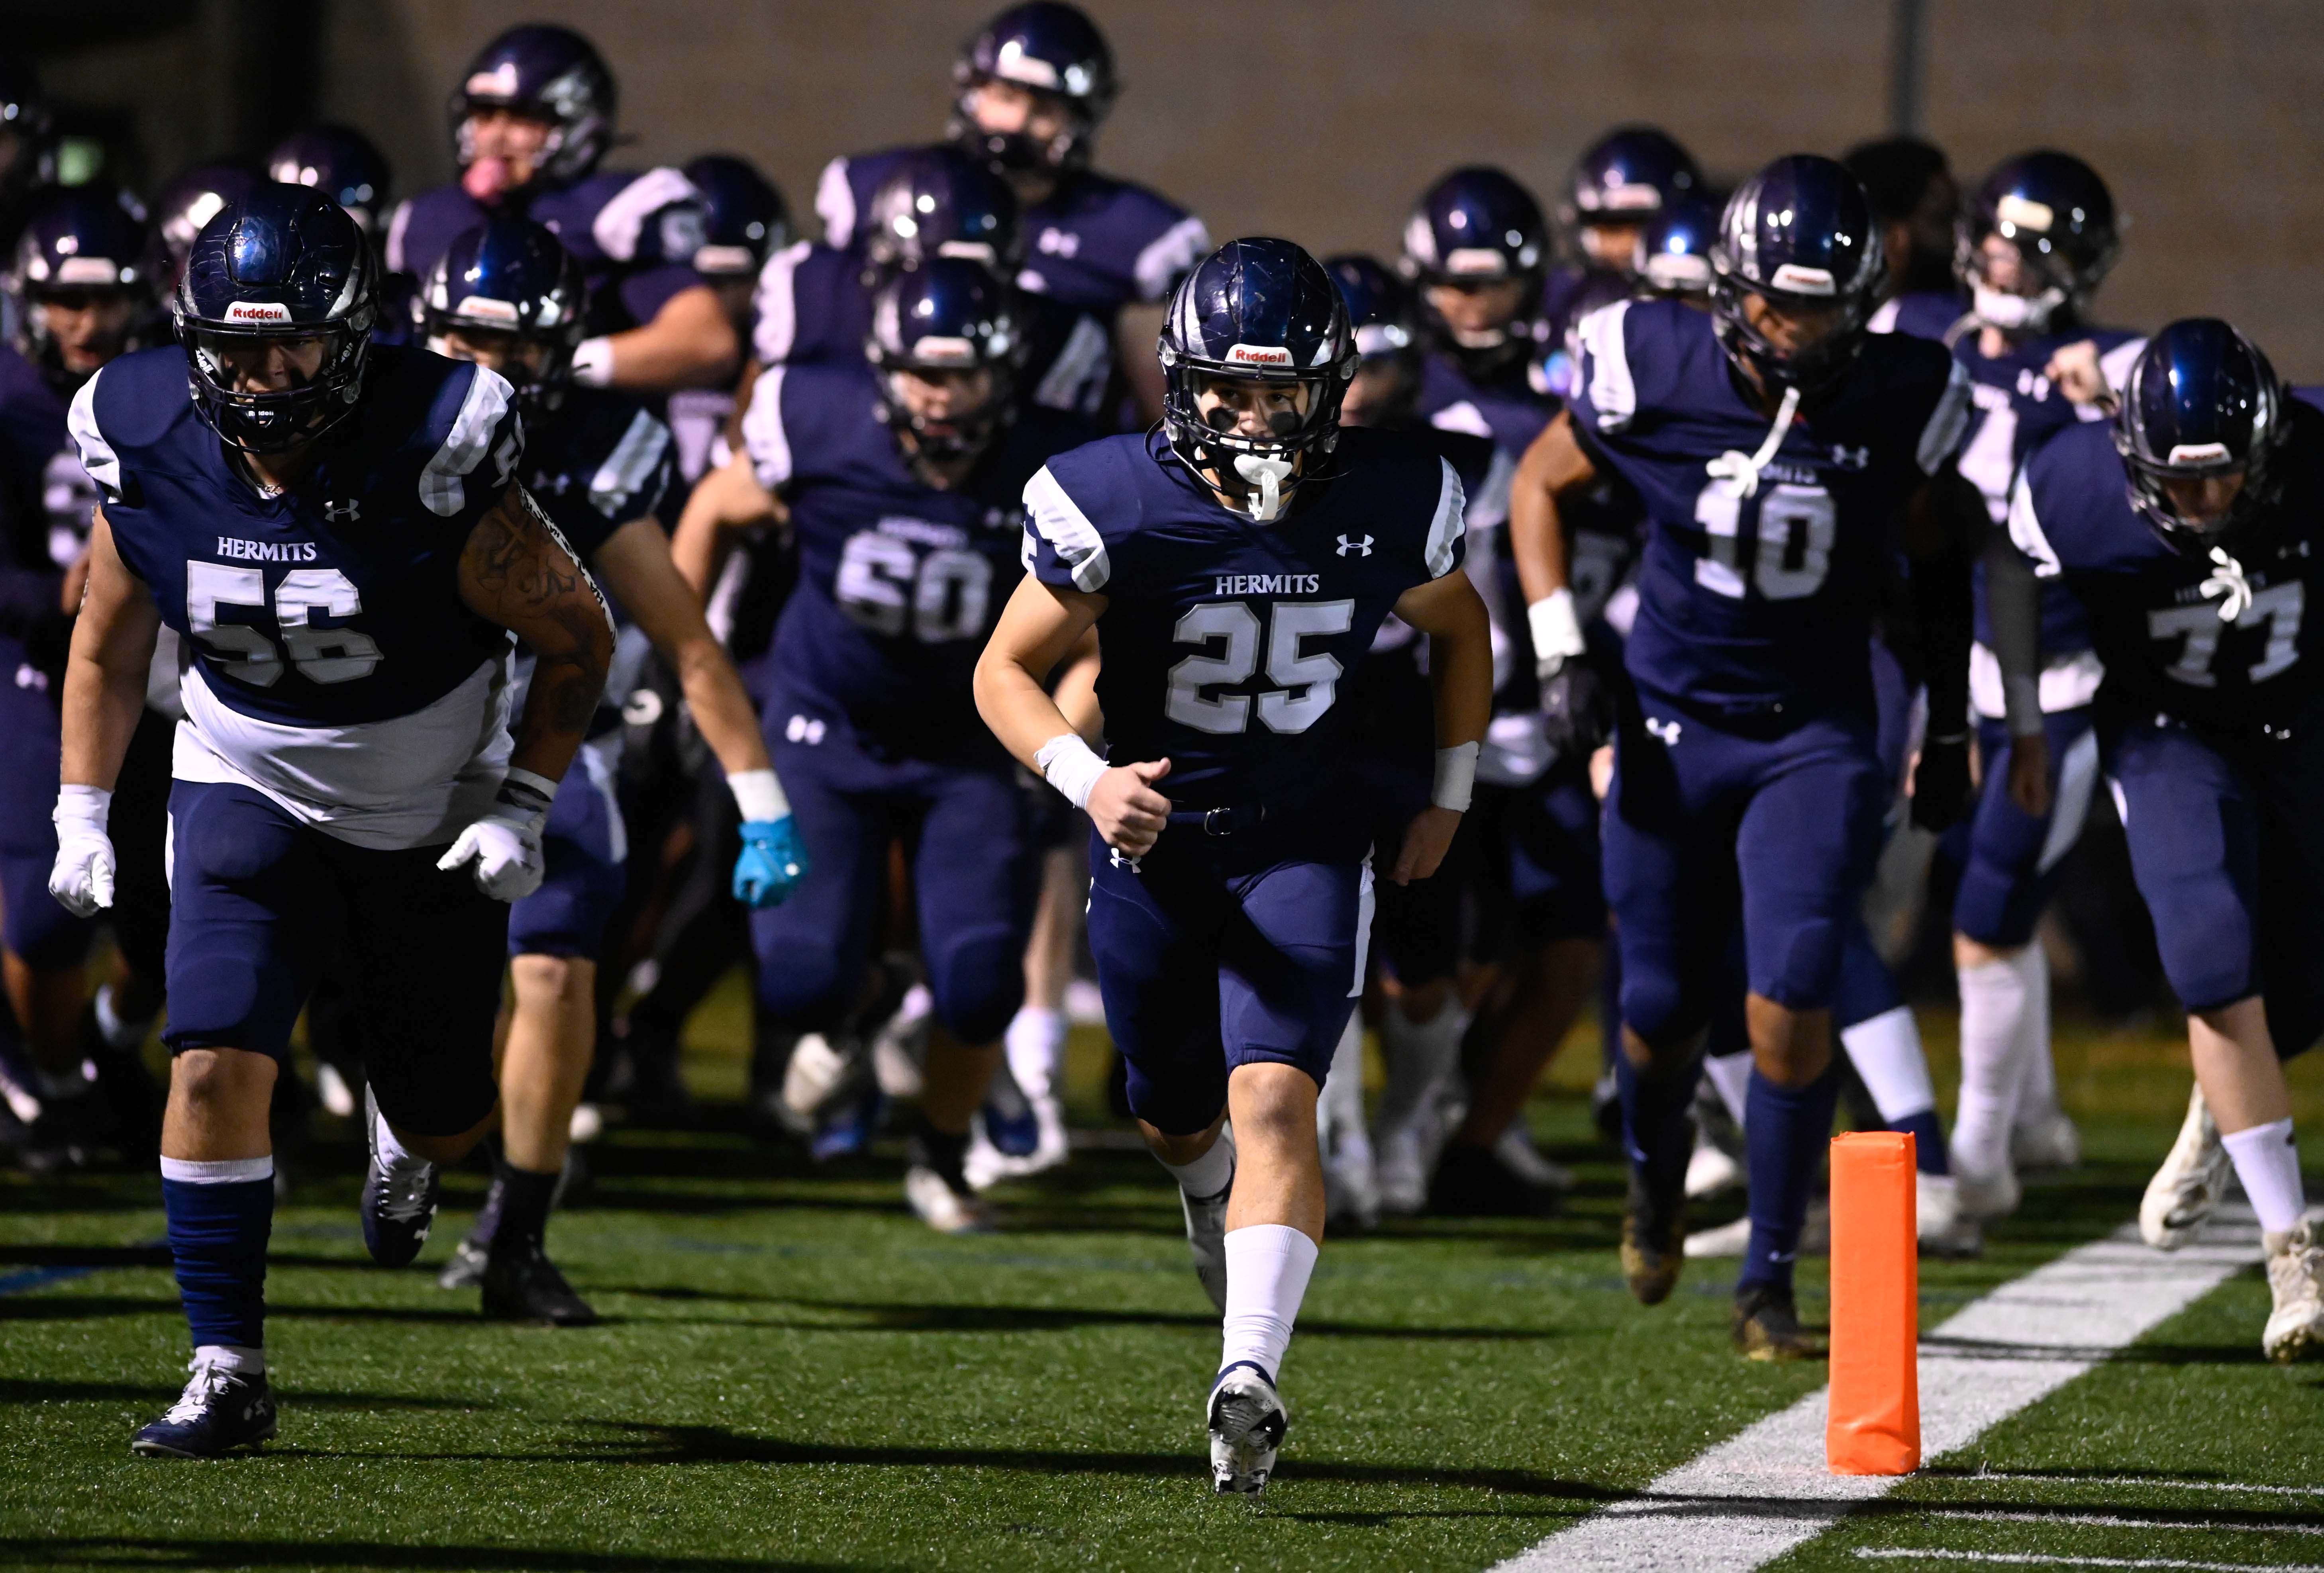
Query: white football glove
x=504, y=845
x=82, y=879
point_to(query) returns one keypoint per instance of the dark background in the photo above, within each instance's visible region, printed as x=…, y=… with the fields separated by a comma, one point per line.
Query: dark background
x=1321, y=119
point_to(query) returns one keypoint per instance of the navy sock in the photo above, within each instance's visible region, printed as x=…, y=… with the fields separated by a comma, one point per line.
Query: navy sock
x=1928, y=1141
x=1657, y=1128
x=1784, y=1134
x=219, y=1216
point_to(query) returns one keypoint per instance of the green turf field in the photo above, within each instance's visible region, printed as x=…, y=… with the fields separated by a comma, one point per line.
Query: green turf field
x=794, y=1374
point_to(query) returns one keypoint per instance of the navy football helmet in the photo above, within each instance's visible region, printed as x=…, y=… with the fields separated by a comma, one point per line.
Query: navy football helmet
x=1626, y=177
x=1673, y=250
x=1387, y=328
x=1799, y=234
x=2061, y=217
x=284, y=263
x=511, y=279
x=950, y=314
x=2201, y=402
x=24, y=116
x=1476, y=226
x=1256, y=310
x=1049, y=47
x=80, y=242
x=547, y=73
x=342, y=163
x=941, y=202
x=181, y=209
x=744, y=217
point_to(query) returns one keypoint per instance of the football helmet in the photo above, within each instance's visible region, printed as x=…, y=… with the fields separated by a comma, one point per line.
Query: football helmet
x=342, y=163
x=1386, y=331
x=25, y=114
x=1673, y=250
x=282, y=263
x=1476, y=226
x=940, y=202
x=950, y=314
x=1627, y=176
x=1261, y=310
x=2201, y=402
x=551, y=74
x=79, y=241
x=1800, y=235
x=744, y=217
x=2061, y=217
x=1049, y=47
x=182, y=207
x=514, y=277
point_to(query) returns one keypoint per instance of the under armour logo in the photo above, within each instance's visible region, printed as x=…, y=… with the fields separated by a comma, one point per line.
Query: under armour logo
x=31, y=677
x=1848, y=458
x=1667, y=730
x=1121, y=859
x=804, y=729
x=1363, y=547
x=342, y=511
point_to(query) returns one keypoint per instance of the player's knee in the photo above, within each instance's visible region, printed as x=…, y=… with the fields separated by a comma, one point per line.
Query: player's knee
x=808, y=983
x=1658, y=1009
x=978, y=982
x=550, y=979
x=220, y=1080
x=1274, y=1107
x=2205, y=937
x=1174, y=1107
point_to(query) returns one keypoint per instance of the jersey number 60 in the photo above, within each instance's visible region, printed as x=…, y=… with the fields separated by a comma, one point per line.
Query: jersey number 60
x=1310, y=683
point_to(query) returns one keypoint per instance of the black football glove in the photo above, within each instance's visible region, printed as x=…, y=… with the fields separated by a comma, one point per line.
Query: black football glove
x=1577, y=707
x=1941, y=784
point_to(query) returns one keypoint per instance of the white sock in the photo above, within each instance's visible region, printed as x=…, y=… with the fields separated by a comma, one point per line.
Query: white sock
x=392, y=1153
x=1267, y=1268
x=1341, y=1109
x=1995, y=996
x=239, y=1358
x=1208, y=1176
x=1886, y=1053
x=2267, y=1162
x=1037, y=1050
x=1420, y=1055
x=2037, y=1092
x=1731, y=1075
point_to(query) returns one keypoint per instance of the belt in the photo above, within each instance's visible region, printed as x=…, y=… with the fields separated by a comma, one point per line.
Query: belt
x=1224, y=822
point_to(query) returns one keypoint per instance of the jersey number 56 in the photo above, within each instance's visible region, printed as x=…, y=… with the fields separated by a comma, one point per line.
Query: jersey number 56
x=322, y=655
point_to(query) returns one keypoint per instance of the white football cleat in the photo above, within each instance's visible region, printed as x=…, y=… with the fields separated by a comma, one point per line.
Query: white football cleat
x=1206, y=1232
x=1984, y=1197
x=1728, y=1239
x=1517, y=1154
x=2187, y=1189
x=899, y=1048
x=818, y=1069
x=1400, y=1166
x=2049, y=1140
x=1943, y=1228
x=940, y=1207
x=2295, y=1276
x=1247, y=1422
x=1710, y=1169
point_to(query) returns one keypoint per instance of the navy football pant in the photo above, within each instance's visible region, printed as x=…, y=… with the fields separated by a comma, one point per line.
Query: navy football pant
x=585, y=850
x=1536, y=863
x=2010, y=860
x=2227, y=846
x=1205, y=968
x=975, y=871
x=38, y=929
x=255, y=899
x=1416, y=928
x=1701, y=820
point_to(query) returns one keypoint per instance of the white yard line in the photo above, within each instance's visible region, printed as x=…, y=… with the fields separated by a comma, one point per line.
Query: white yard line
x=2109, y=1521
x=2145, y=1482
x=2039, y=1559
x=1750, y=1499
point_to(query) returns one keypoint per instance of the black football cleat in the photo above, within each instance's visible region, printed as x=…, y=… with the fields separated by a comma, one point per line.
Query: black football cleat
x=219, y=1411
x=398, y=1199
x=466, y=1270
x=1767, y=1326
x=1472, y=1181
x=1653, y=1242
x=522, y=1284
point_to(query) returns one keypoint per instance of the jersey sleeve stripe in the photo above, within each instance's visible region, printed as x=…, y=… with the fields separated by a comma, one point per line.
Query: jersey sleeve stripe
x=1489, y=508
x=835, y=204
x=1079, y=370
x=1178, y=249
x=627, y=469
x=2025, y=529
x=763, y=437
x=1444, y=529
x=398, y=222
x=1060, y=522
x=2116, y=363
x=775, y=305
x=620, y=221
x=1613, y=392
x=1942, y=437
x=443, y=484
x=97, y=454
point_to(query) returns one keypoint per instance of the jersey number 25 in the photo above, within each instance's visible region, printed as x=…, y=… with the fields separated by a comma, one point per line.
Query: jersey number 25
x=1310, y=683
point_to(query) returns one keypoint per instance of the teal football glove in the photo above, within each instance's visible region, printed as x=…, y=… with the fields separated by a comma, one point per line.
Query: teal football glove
x=771, y=864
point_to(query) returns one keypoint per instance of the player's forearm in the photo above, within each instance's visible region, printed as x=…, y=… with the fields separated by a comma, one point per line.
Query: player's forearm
x=714, y=694
x=690, y=343
x=1941, y=615
x=518, y=572
x=1536, y=538
x=726, y=501
x=102, y=701
x=2013, y=603
x=1016, y=707
x=1461, y=681
x=1135, y=331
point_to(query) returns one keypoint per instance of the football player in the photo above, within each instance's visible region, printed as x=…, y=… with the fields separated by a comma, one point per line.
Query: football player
x=744, y=222
x=28, y=154
x=1618, y=185
x=532, y=120
x=1033, y=87
x=80, y=289
x=1237, y=563
x=1477, y=250
x=900, y=476
x=334, y=527
x=1916, y=200
x=509, y=296
x=349, y=168
x=1787, y=460
x=2195, y=577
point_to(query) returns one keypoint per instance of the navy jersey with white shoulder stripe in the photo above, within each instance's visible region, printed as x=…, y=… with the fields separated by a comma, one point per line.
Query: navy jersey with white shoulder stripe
x=1229, y=646
x=605, y=460
x=1760, y=599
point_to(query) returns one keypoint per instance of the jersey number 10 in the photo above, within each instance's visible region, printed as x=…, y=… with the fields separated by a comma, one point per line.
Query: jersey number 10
x=1794, y=528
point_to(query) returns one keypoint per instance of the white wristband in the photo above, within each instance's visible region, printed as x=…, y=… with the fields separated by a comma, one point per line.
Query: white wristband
x=758, y=794
x=82, y=808
x=1071, y=766
x=593, y=363
x=1456, y=777
x=1557, y=627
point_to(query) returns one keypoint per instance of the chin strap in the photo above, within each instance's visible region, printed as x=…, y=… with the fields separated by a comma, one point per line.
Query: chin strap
x=2230, y=583
x=1739, y=470
x=1268, y=475
x=2014, y=313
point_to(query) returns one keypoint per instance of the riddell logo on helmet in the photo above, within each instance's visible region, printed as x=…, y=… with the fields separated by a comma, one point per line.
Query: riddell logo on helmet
x=1244, y=355
x=499, y=82
x=1802, y=281
x=257, y=311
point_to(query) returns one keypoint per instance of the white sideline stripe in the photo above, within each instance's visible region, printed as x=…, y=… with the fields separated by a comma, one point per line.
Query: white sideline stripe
x=2107, y=1521
x=1754, y=1496
x=2141, y=1480
x=2037, y=1559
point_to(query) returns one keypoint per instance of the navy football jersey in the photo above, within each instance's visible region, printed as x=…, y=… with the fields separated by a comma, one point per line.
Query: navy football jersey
x=1225, y=644
x=334, y=665
x=2154, y=609
x=1921, y=313
x=898, y=582
x=1097, y=244
x=601, y=461
x=1762, y=601
x=634, y=237
x=45, y=496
